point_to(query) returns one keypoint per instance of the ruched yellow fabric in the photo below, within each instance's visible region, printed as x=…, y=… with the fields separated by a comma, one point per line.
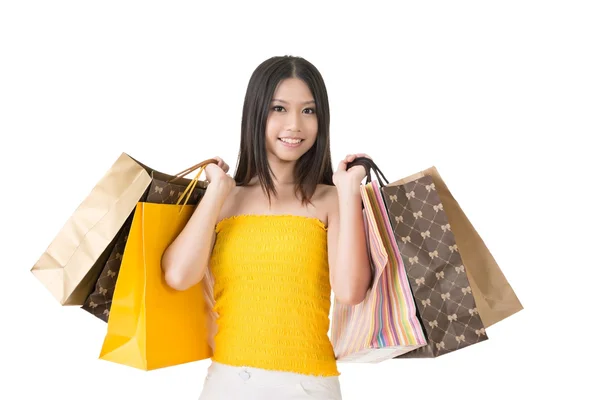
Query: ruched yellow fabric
x=272, y=294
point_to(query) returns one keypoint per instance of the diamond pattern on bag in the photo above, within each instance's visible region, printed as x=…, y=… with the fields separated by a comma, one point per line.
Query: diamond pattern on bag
x=434, y=267
x=160, y=192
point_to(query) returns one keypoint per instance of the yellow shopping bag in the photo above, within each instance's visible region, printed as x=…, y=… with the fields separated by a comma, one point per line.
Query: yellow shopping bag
x=151, y=325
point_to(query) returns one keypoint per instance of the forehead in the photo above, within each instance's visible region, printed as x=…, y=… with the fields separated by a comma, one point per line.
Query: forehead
x=293, y=90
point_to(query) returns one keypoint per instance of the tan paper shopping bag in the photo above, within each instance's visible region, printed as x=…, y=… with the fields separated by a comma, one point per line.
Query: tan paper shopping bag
x=71, y=264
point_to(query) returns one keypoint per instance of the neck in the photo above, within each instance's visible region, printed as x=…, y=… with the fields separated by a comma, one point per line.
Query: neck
x=283, y=171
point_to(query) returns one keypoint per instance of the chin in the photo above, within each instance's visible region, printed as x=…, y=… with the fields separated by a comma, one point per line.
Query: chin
x=289, y=157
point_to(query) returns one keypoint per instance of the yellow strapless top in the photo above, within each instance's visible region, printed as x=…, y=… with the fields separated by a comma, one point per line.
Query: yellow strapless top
x=272, y=294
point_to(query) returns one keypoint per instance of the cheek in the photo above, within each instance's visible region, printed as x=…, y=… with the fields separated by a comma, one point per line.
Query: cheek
x=271, y=129
x=313, y=128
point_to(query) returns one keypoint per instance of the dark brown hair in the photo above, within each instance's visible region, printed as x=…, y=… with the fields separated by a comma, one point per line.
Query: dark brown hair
x=314, y=167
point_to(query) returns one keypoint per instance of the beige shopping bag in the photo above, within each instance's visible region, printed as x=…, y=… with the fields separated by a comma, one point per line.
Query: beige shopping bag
x=73, y=261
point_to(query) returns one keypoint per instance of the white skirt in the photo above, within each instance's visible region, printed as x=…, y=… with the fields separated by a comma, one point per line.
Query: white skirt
x=249, y=383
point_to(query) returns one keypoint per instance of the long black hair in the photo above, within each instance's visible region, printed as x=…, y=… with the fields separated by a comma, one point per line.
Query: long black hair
x=314, y=167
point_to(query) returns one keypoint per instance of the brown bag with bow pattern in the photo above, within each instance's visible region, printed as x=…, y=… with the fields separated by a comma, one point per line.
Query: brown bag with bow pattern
x=459, y=289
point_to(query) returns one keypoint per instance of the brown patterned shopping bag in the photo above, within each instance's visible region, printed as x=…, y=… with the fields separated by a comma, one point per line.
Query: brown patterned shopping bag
x=71, y=265
x=438, y=268
x=495, y=297
x=162, y=190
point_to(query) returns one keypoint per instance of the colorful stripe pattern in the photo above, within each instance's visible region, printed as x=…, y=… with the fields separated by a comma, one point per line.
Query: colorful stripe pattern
x=385, y=324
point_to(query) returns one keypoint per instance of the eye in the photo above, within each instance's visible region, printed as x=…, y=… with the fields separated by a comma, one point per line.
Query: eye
x=280, y=108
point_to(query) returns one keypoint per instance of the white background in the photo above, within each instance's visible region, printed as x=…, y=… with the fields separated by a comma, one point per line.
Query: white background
x=503, y=97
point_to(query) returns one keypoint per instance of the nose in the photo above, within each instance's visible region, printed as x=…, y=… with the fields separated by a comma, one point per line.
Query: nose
x=294, y=120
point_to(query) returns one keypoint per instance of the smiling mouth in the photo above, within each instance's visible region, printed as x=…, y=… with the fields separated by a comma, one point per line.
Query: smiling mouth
x=291, y=141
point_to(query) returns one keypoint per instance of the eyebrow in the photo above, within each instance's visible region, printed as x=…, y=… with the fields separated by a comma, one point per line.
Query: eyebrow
x=283, y=101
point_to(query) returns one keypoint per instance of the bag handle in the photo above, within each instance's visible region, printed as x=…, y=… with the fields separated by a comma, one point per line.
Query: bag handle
x=369, y=165
x=190, y=187
x=193, y=168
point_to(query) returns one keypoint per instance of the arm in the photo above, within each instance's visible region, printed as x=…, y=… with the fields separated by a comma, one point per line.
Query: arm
x=185, y=261
x=349, y=268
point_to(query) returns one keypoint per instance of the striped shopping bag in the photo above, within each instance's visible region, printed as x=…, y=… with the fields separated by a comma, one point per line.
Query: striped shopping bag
x=385, y=324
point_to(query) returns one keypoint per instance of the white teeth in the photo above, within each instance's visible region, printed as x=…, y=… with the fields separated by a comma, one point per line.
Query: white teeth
x=291, y=141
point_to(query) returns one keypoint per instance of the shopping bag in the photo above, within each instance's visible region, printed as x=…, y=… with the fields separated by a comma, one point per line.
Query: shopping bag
x=495, y=297
x=437, y=272
x=151, y=325
x=163, y=189
x=70, y=266
x=385, y=324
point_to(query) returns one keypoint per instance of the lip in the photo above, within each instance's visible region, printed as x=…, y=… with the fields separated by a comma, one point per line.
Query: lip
x=290, y=145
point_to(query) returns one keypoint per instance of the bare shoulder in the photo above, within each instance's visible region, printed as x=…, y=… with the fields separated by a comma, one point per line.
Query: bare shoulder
x=231, y=203
x=328, y=196
x=325, y=194
x=329, y=192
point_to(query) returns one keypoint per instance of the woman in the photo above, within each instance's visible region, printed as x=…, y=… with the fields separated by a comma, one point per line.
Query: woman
x=279, y=237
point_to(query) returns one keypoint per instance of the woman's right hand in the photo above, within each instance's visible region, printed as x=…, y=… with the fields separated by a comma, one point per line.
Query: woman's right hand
x=217, y=174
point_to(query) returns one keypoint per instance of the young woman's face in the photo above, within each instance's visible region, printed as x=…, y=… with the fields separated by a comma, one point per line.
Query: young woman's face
x=292, y=120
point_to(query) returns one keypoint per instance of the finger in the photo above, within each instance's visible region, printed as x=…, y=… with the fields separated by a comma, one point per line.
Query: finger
x=342, y=165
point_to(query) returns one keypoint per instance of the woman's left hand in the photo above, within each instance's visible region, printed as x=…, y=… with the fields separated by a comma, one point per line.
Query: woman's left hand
x=349, y=178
